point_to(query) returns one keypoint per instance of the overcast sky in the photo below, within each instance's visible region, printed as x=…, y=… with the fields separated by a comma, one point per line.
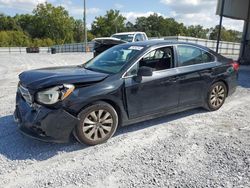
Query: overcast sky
x=187, y=11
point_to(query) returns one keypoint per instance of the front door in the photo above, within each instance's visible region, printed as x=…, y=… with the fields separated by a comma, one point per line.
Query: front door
x=156, y=93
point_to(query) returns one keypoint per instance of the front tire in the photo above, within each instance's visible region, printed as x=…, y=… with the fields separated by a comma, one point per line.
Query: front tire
x=216, y=96
x=98, y=123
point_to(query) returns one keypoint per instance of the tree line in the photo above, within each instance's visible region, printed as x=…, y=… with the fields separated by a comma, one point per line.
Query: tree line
x=49, y=25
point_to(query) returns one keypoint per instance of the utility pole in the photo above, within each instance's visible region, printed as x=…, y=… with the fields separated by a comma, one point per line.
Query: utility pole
x=220, y=26
x=85, y=27
x=115, y=22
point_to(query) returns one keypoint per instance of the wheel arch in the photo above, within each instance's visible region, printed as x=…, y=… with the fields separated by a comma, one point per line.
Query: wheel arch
x=224, y=82
x=116, y=107
x=114, y=104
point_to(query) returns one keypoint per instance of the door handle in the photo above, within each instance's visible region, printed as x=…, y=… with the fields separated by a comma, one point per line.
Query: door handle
x=175, y=79
x=208, y=71
x=170, y=80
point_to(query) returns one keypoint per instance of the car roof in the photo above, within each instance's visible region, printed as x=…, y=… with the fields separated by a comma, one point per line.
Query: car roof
x=156, y=43
x=128, y=33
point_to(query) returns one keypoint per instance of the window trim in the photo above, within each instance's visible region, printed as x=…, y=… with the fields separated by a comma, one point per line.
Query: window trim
x=146, y=53
x=197, y=47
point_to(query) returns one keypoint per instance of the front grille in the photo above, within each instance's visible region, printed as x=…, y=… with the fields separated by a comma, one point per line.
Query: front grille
x=26, y=94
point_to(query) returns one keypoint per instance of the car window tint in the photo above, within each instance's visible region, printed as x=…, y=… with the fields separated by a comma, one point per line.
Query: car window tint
x=138, y=37
x=133, y=70
x=141, y=37
x=112, y=60
x=207, y=57
x=189, y=55
x=150, y=55
x=159, y=59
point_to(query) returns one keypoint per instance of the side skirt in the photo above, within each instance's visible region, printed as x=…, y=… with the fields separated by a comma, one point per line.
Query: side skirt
x=160, y=114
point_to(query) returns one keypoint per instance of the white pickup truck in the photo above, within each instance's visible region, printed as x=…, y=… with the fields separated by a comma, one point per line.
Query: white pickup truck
x=131, y=36
x=102, y=44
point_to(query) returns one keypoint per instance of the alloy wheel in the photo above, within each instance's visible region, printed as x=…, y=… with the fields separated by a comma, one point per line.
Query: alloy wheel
x=97, y=125
x=217, y=96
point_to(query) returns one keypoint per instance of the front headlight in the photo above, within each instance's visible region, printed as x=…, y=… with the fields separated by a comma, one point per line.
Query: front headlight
x=55, y=94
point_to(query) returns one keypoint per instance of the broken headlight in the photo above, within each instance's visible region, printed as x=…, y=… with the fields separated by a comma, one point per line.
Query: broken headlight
x=55, y=94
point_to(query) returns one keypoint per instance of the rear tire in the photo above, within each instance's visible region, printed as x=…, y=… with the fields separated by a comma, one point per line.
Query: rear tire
x=216, y=96
x=98, y=123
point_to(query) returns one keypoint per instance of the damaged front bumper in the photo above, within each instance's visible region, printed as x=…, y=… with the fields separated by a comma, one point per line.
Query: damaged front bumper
x=51, y=125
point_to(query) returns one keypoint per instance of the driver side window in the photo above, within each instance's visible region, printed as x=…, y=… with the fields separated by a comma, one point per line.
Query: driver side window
x=159, y=59
x=133, y=70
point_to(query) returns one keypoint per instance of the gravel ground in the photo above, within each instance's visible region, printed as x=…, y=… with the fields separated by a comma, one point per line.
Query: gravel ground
x=190, y=149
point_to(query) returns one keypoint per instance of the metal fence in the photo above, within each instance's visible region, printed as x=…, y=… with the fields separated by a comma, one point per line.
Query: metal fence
x=22, y=50
x=230, y=49
x=76, y=47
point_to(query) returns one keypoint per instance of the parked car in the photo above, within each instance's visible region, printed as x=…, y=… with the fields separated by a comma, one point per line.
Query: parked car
x=32, y=50
x=102, y=44
x=128, y=83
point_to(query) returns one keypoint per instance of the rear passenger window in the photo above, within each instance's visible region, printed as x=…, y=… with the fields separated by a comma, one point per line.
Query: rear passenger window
x=207, y=57
x=189, y=55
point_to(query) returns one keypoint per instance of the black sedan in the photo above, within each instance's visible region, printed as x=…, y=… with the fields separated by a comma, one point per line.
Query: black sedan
x=128, y=83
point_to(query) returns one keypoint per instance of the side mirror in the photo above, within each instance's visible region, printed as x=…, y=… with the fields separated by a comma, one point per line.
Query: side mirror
x=145, y=71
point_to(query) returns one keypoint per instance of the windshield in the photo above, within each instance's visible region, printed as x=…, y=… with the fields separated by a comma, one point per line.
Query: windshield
x=128, y=38
x=112, y=60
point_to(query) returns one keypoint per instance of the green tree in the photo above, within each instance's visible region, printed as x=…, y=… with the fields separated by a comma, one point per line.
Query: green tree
x=130, y=26
x=53, y=22
x=176, y=28
x=197, y=31
x=13, y=38
x=150, y=25
x=78, y=31
x=26, y=23
x=90, y=36
x=141, y=24
x=41, y=42
x=4, y=39
x=158, y=26
x=108, y=24
x=226, y=35
x=8, y=23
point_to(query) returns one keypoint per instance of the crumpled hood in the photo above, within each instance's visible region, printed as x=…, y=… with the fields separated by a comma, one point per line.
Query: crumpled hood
x=42, y=78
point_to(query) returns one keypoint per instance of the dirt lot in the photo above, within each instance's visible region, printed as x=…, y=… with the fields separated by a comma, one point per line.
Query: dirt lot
x=191, y=149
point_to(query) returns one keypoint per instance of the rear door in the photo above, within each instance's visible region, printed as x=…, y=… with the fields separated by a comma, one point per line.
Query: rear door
x=195, y=67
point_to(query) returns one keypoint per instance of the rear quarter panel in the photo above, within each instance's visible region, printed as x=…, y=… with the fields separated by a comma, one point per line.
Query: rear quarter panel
x=224, y=72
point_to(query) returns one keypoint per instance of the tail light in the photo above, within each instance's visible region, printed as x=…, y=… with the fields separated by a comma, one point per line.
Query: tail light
x=235, y=65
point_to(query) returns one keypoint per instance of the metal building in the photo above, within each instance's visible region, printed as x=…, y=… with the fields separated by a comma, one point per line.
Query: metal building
x=238, y=9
